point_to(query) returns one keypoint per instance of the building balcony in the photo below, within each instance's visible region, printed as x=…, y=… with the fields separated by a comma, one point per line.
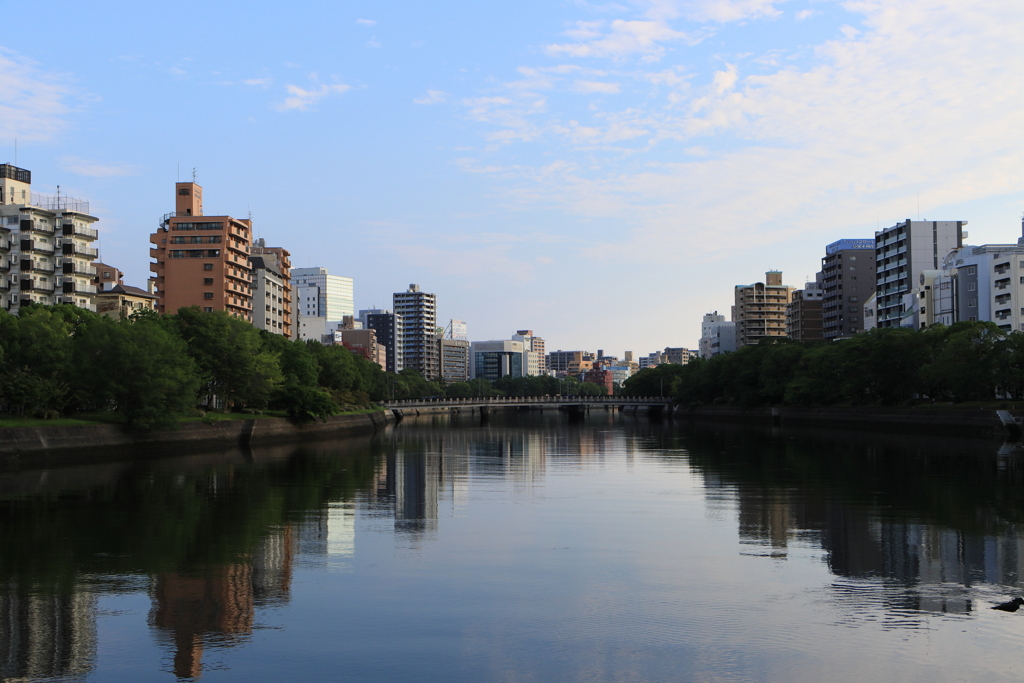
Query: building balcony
x=5, y=266
x=80, y=231
x=31, y=265
x=76, y=268
x=75, y=249
x=32, y=285
x=36, y=245
x=77, y=288
x=36, y=226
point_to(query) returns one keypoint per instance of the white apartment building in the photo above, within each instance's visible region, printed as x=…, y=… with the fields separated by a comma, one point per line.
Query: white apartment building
x=717, y=335
x=322, y=300
x=45, y=252
x=268, y=303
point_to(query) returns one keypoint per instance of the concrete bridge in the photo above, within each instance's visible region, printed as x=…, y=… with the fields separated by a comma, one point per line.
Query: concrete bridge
x=654, y=405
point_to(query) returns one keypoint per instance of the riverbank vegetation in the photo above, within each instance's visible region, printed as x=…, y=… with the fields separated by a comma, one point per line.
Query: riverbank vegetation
x=968, y=361
x=152, y=371
x=63, y=364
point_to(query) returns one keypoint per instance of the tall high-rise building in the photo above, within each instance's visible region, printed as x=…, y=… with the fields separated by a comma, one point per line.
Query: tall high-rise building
x=760, y=309
x=389, y=329
x=277, y=260
x=201, y=260
x=322, y=300
x=901, y=253
x=847, y=280
x=419, y=320
x=45, y=252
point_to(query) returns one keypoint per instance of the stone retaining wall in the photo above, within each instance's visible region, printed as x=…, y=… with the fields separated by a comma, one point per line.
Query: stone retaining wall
x=90, y=442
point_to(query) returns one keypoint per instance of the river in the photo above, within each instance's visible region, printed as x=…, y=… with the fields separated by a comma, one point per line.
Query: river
x=529, y=548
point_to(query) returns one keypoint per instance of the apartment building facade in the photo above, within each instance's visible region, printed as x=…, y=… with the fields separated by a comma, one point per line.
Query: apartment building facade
x=418, y=311
x=390, y=334
x=278, y=260
x=847, y=280
x=268, y=302
x=322, y=300
x=202, y=260
x=804, y=313
x=901, y=253
x=760, y=309
x=454, y=359
x=46, y=247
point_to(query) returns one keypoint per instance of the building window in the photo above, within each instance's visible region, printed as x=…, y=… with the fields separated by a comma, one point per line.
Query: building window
x=207, y=309
x=207, y=280
x=207, y=266
x=972, y=303
x=972, y=286
x=972, y=270
x=177, y=254
x=183, y=191
x=207, y=295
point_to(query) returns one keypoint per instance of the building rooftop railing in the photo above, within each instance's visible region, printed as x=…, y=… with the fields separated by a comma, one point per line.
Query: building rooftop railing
x=60, y=203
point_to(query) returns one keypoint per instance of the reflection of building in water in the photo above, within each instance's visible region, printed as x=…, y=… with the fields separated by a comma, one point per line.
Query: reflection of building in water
x=46, y=636
x=765, y=518
x=218, y=605
x=190, y=608
x=418, y=477
x=341, y=530
x=272, y=567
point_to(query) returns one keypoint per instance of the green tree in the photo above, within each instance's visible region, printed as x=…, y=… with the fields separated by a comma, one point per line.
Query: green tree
x=139, y=369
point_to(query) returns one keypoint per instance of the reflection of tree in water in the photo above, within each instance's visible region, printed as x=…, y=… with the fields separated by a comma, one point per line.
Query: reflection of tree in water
x=218, y=535
x=920, y=521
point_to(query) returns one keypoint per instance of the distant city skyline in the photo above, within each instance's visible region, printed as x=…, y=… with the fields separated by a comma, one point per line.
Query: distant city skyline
x=639, y=158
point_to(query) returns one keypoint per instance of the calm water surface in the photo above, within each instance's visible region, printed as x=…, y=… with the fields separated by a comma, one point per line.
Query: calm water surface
x=529, y=549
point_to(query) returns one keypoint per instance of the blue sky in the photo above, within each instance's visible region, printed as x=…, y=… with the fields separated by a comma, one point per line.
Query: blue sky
x=600, y=173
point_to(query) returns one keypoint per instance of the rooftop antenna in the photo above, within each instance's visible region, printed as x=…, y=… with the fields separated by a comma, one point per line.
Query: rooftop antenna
x=918, y=206
x=193, y=175
x=15, y=151
x=179, y=172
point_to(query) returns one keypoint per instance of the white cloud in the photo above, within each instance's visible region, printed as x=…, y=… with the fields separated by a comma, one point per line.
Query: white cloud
x=722, y=11
x=806, y=14
x=921, y=95
x=596, y=87
x=96, y=170
x=301, y=99
x=620, y=39
x=432, y=97
x=366, y=22
x=259, y=82
x=34, y=103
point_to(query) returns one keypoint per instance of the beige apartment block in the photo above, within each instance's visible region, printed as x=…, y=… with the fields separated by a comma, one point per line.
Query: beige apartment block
x=273, y=297
x=202, y=260
x=760, y=309
x=45, y=245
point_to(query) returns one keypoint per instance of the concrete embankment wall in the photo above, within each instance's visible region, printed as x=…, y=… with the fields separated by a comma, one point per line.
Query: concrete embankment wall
x=68, y=444
x=978, y=421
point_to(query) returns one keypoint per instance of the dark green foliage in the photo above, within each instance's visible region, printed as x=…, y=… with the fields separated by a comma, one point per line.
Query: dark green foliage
x=140, y=370
x=152, y=370
x=969, y=361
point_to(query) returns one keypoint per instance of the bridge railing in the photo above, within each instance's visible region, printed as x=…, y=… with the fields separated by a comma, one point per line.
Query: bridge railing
x=531, y=400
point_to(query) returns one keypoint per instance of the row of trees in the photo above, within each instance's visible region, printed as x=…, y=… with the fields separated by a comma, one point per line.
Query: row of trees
x=153, y=369
x=968, y=361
